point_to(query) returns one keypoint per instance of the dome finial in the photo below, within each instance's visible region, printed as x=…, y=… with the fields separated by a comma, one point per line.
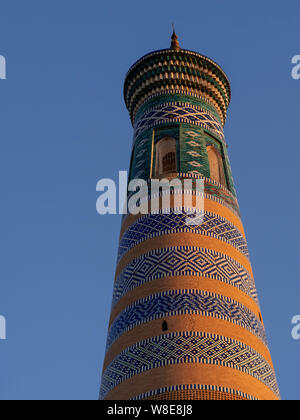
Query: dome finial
x=174, y=44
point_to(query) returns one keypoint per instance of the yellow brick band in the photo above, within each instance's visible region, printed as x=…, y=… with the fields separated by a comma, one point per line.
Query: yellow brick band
x=191, y=373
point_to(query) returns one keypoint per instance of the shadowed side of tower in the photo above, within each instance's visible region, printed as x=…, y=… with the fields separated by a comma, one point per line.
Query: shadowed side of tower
x=185, y=320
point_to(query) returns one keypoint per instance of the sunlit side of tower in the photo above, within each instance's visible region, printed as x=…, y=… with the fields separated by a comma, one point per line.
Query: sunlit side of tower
x=185, y=320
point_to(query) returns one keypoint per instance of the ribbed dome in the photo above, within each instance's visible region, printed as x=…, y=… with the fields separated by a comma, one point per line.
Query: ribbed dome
x=178, y=71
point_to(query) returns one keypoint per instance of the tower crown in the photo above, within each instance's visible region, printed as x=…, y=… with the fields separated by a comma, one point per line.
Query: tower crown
x=181, y=72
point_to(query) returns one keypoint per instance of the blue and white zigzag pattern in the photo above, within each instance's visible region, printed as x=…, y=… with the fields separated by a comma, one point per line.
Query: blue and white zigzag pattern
x=182, y=302
x=192, y=387
x=153, y=225
x=179, y=112
x=183, y=261
x=186, y=347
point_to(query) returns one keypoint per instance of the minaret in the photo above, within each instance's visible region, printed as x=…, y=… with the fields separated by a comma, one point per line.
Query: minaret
x=185, y=320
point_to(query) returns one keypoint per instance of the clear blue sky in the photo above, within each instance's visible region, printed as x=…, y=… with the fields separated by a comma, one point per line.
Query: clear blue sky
x=64, y=126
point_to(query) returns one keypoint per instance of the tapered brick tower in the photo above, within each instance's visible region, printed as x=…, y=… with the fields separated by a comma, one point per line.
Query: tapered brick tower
x=185, y=320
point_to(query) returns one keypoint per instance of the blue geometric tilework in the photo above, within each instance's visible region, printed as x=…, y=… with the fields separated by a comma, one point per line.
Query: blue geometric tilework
x=154, y=225
x=179, y=112
x=191, y=387
x=183, y=261
x=186, y=347
x=193, y=151
x=141, y=158
x=171, y=96
x=184, y=302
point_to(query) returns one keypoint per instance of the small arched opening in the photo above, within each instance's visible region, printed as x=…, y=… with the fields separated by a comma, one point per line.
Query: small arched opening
x=216, y=165
x=166, y=161
x=165, y=326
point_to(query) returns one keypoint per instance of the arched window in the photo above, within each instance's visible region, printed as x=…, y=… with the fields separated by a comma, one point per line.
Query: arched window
x=165, y=157
x=216, y=165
